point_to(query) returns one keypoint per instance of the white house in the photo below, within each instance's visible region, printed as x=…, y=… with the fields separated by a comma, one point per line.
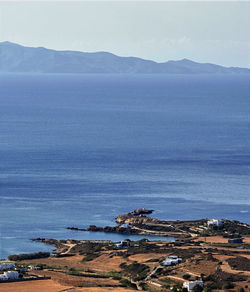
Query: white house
x=171, y=260
x=3, y=277
x=123, y=244
x=190, y=284
x=215, y=222
x=10, y=275
x=7, y=266
x=173, y=257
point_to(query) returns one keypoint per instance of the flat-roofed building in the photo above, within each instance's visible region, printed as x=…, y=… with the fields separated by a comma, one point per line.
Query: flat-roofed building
x=191, y=284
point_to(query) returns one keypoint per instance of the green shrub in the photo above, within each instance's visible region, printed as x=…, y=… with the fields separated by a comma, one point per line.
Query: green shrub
x=127, y=283
x=115, y=275
x=89, y=257
x=186, y=276
x=197, y=288
x=137, y=271
x=28, y=256
x=75, y=273
x=228, y=286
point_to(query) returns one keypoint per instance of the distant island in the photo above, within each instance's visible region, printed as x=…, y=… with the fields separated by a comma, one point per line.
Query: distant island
x=20, y=59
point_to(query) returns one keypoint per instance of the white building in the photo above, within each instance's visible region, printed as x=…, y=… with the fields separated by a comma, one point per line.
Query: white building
x=10, y=275
x=31, y=267
x=215, y=222
x=3, y=277
x=123, y=244
x=190, y=285
x=6, y=266
x=171, y=260
x=172, y=257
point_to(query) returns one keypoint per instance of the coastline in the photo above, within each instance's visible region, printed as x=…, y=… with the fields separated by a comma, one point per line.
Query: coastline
x=15, y=241
x=205, y=249
x=142, y=224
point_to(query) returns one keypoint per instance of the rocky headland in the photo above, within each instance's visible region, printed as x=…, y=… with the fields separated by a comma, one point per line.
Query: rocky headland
x=138, y=222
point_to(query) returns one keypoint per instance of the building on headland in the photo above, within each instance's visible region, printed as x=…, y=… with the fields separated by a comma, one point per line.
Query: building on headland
x=191, y=284
x=9, y=275
x=123, y=244
x=171, y=260
x=235, y=240
x=7, y=266
x=215, y=222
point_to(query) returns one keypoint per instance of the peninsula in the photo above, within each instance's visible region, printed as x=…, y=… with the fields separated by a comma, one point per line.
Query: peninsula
x=138, y=222
x=209, y=255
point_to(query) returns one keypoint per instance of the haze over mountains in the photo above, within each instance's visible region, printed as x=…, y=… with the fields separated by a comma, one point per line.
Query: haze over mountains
x=17, y=58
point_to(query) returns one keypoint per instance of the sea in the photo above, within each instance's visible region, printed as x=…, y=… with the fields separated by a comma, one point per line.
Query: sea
x=80, y=149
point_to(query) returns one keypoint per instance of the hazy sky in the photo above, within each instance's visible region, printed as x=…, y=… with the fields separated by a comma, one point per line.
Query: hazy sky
x=217, y=32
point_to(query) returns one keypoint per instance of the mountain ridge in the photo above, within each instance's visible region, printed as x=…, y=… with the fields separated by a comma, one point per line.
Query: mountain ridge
x=22, y=59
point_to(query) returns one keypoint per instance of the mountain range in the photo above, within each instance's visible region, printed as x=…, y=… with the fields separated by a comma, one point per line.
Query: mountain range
x=17, y=58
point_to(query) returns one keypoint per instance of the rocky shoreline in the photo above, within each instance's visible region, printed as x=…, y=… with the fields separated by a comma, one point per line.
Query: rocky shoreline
x=138, y=222
x=212, y=251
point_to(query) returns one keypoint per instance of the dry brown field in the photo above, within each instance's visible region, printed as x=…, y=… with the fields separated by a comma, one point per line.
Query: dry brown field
x=103, y=263
x=33, y=286
x=143, y=258
x=53, y=286
x=110, y=260
x=65, y=279
x=213, y=239
x=220, y=239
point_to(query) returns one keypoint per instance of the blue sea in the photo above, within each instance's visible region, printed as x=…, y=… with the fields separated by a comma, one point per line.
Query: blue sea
x=80, y=149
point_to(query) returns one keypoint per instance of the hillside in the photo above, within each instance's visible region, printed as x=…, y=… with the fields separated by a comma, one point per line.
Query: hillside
x=17, y=58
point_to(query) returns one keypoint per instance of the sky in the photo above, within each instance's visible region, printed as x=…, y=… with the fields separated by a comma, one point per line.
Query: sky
x=208, y=31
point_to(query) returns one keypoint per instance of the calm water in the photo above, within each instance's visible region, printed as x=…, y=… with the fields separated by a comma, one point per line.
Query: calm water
x=79, y=149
